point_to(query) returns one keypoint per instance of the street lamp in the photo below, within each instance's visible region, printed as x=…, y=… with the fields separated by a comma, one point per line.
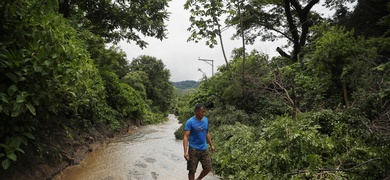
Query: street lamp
x=208, y=62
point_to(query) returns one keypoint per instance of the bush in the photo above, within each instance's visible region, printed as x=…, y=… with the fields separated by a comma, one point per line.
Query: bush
x=228, y=116
x=47, y=72
x=123, y=98
x=154, y=118
x=179, y=133
x=185, y=114
x=299, y=149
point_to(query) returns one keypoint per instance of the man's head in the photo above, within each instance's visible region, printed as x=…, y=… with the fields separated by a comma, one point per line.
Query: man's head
x=200, y=111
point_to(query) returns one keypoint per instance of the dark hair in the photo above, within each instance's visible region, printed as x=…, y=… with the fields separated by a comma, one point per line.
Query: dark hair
x=198, y=106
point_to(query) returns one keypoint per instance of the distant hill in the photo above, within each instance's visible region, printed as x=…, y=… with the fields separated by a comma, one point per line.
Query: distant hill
x=188, y=84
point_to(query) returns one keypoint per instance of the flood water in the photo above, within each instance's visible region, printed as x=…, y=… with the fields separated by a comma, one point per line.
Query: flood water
x=148, y=153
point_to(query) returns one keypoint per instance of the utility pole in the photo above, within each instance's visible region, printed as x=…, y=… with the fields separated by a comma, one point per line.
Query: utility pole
x=208, y=62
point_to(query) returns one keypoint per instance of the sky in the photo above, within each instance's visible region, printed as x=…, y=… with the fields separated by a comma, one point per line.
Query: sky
x=181, y=57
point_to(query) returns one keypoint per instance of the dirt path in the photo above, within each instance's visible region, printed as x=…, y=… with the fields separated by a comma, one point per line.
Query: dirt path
x=149, y=153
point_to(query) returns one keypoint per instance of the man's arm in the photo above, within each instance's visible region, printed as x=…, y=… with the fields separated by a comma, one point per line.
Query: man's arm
x=208, y=138
x=185, y=144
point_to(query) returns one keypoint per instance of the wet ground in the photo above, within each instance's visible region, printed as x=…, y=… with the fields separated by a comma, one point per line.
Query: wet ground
x=148, y=153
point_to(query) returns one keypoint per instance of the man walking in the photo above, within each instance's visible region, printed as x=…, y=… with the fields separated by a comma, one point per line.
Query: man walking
x=196, y=134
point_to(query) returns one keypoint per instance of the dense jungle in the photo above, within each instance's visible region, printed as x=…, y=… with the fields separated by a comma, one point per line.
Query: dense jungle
x=319, y=110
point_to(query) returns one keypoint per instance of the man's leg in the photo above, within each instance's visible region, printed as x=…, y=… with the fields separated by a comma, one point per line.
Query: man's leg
x=191, y=175
x=203, y=174
x=191, y=167
x=206, y=164
x=192, y=163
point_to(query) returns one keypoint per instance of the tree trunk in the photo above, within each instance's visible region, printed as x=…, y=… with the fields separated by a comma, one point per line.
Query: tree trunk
x=223, y=50
x=243, y=52
x=345, y=94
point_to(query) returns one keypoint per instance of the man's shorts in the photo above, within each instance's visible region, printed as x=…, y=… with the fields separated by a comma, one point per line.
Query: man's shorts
x=196, y=156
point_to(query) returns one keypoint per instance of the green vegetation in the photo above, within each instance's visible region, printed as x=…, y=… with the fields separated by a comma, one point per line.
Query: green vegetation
x=58, y=75
x=157, y=86
x=183, y=85
x=182, y=89
x=319, y=112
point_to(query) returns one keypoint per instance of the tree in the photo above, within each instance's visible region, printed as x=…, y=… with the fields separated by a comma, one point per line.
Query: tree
x=206, y=23
x=119, y=19
x=138, y=80
x=270, y=20
x=367, y=19
x=107, y=59
x=52, y=68
x=289, y=19
x=188, y=84
x=123, y=98
x=160, y=90
x=46, y=72
x=339, y=84
x=339, y=60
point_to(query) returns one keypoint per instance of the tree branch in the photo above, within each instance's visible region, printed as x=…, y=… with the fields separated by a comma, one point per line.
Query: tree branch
x=291, y=24
x=305, y=21
x=297, y=6
x=280, y=32
x=287, y=96
x=282, y=53
x=310, y=5
x=223, y=48
x=292, y=27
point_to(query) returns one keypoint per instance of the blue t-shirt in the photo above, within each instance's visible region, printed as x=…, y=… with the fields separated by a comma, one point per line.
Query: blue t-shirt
x=198, y=131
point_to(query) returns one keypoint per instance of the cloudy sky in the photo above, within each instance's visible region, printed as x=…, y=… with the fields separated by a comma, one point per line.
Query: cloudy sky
x=181, y=57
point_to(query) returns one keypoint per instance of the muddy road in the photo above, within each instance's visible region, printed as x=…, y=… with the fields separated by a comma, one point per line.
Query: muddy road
x=148, y=153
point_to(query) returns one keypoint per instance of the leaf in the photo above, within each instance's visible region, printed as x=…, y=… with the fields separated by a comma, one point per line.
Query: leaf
x=20, y=150
x=2, y=154
x=29, y=135
x=53, y=5
x=12, y=89
x=6, y=163
x=17, y=64
x=20, y=99
x=380, y=67
x=12, y=156
x=24, y=141
x=4, y=57
x=4, y=146
x=3, y=98
x=14, y=142
x=30, y=108
x=12, y=76
x=16, y=111
x=21, y=79
x=47, y=63
x=38, y=68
